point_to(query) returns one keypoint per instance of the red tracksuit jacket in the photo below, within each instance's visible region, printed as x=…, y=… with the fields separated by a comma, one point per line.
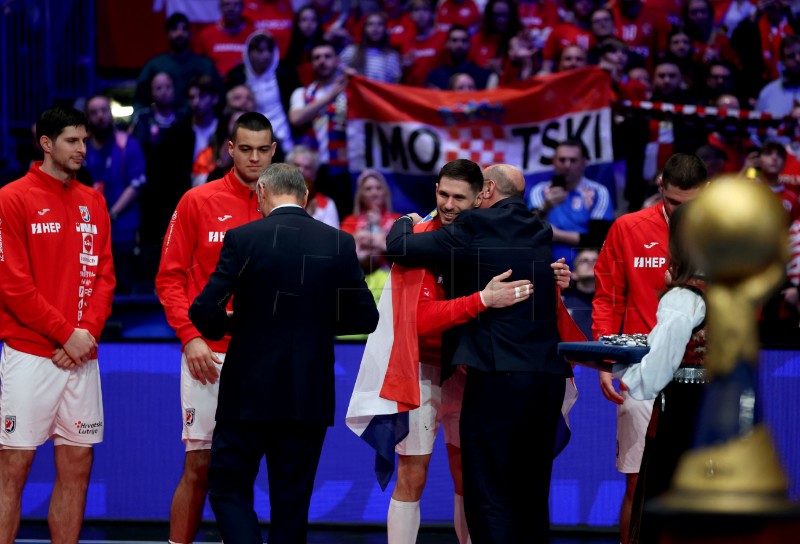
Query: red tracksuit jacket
x=192, y=245
x=630, y=273
x=56, y=270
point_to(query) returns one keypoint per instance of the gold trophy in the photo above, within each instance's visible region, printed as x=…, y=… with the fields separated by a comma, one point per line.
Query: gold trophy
x=737, y=232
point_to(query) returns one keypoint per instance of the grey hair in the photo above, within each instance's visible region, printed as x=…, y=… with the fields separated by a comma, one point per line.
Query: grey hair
x=283, y=179
x=304, y=150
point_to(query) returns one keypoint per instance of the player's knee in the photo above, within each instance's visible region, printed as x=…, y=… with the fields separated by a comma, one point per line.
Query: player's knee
x=195, y=470
x=412, y=482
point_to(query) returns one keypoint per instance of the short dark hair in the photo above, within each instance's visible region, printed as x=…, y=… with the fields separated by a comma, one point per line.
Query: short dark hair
x=176, y=19
x=684, y=171
x=324, y=43
x=463, y=170
x=771, y=146
x=610, y=44
x=204, y=83
x=283, y=179
x=252, y=121
x=53, y=121
x=669, y=58
x=575, y=142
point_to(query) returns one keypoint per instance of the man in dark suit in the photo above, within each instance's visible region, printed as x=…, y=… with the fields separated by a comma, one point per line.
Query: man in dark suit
x=296, y=283
x=515, y=381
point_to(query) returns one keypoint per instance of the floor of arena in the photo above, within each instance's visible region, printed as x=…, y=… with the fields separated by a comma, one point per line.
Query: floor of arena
x=35, y=532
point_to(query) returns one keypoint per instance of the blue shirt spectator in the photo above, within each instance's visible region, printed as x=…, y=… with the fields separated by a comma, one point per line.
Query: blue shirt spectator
x=578, y=208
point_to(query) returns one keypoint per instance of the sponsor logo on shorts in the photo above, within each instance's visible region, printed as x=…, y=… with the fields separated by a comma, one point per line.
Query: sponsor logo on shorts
x=10, y=424
x=88, y=428
x=189, y=419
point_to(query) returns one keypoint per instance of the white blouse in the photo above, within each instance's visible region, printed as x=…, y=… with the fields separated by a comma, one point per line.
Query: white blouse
x=680, y=311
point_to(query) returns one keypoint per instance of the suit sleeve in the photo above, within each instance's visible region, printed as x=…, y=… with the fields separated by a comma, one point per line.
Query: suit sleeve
x=436, y=316
x=99, y=307
x=209, y=310
x=421, y=249
x=173, y=272
x=19, y=292
x=356, y=312
x=611, y=288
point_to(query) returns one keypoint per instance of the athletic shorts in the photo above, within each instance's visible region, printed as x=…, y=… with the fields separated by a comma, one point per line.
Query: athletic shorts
x=633, y=417
x=199, y=408
x=439, y=404
x=39, y=401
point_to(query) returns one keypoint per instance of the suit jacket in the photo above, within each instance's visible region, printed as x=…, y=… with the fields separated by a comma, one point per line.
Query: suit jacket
x=296, y=283
x=479, y=245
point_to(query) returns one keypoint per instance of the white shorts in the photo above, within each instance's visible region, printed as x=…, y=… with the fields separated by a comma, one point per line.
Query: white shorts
x=39, y=401
x=439, y=404
x=199, y=408
x=633, y=417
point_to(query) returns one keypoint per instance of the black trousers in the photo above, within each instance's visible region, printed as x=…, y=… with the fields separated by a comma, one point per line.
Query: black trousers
x=508, y=430
x=292, y=450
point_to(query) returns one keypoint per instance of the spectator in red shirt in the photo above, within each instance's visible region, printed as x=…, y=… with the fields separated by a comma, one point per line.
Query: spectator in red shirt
x=458, y=12
x=708, y=40
x=490, y=44
x=538, y=17
x=422, y=48
x=574, y=31
x=524, y=60
x=224, y=42
x=274, y=16
x=643, y=28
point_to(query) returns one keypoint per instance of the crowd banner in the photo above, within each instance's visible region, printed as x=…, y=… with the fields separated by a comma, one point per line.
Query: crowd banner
x=409, y=133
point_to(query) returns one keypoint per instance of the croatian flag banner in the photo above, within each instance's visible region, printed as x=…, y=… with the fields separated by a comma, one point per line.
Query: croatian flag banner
x=409, y=133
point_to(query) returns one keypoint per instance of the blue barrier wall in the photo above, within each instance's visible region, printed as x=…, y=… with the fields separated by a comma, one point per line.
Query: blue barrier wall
x=137, y=467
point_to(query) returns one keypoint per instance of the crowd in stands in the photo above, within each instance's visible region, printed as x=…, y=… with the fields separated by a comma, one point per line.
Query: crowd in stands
x=293, y=65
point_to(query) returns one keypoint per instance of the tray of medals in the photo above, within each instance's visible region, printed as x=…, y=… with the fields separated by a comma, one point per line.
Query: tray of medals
x=615, y=348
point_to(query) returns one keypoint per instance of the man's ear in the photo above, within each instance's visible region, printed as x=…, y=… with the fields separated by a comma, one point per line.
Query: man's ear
x=46, y=144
